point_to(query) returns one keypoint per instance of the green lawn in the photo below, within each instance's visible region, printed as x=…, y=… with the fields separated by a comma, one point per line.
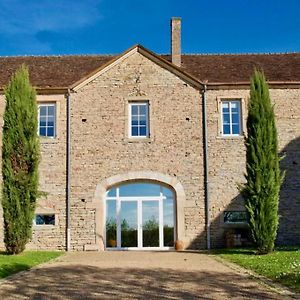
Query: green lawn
x=10, y=264
x=282, y=265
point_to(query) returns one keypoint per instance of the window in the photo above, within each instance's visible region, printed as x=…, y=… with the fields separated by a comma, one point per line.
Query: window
x=235, y=217
x=140, y=215
x=47, y=120
x=231, y=117
x=42, y=219
x=139, y=119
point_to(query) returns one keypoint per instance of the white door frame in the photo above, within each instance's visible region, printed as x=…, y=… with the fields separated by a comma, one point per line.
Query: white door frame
x=139, y=201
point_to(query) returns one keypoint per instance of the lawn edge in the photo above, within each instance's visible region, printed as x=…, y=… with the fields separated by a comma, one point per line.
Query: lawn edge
x=274, y=286
x=20, y=273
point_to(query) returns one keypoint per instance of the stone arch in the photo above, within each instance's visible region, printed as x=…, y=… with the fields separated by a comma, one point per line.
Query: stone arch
x=104, y=185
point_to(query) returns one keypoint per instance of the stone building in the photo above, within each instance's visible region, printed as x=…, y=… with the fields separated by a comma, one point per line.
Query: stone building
x=140, y=149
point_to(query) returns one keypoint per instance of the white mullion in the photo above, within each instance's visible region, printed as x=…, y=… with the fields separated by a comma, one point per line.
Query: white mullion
x=174, y=218
x=139, y=128
x=39, y=118
x=47, y=117
x=161, y=221
x=140, y=223
x=145, y=198
x=118, y=208
x=54, y=120
x=129, y=120
x=147, y=120
x=230, y=117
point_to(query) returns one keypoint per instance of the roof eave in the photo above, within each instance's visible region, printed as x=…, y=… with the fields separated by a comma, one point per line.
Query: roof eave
x=246, y=85
x=47, y=90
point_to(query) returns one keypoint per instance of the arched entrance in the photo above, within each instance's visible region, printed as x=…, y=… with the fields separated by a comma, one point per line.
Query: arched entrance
x=140, y=215
x=107, y=184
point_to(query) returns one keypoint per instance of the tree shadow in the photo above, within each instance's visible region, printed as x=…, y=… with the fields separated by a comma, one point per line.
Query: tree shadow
x=289, y=207
x=11, y=268
x=91, y=282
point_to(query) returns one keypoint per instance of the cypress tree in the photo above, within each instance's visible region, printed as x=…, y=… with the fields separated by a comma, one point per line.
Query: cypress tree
x=20, y=159
x=263, y=175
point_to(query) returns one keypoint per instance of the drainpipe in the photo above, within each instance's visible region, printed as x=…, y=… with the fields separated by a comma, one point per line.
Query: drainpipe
x=68, y=187
x=206, y=182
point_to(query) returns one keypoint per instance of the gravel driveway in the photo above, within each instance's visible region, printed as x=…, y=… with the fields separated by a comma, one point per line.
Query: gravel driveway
x=134, y=275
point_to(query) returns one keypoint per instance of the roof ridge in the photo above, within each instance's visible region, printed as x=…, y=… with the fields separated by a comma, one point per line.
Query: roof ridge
x=241, y=54
x=57, y=55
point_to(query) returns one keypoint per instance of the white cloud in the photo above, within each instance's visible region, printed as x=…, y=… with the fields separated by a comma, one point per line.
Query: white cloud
x=32, y=16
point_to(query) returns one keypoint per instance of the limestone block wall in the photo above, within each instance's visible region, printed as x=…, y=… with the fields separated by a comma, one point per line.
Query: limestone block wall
x=227, y=162
x=52, y=180
x=101, y=147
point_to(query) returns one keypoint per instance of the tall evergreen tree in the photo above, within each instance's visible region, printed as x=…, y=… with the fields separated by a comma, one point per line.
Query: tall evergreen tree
x=263, y=175
x=20, y=159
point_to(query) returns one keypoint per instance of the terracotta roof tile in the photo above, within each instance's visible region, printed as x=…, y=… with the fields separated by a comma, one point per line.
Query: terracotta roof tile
x=63, y=71
x=239, y=67
x=52, y=71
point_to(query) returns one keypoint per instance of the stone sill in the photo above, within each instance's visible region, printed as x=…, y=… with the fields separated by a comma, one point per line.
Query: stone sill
x=235, y=225
x=138, y=140
x=231, y=137
x=45, y=140
x=44, y=227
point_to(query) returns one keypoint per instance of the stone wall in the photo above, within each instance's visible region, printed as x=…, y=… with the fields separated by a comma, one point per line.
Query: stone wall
x=227, y=162
x=52, y=172
x=101, y=147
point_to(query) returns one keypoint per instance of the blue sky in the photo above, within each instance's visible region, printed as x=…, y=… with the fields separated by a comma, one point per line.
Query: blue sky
x=109, y=26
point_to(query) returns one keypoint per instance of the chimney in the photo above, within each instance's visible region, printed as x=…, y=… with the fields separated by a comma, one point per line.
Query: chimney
x=176, y=41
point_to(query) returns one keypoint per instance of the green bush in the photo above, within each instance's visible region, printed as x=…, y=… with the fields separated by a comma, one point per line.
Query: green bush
x=20, y=159
x=264, y=178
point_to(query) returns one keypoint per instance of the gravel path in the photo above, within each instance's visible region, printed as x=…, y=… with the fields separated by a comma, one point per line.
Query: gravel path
x=134, y=275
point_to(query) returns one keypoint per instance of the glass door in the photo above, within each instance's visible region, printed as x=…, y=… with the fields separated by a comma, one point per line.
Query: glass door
x=140, y=216
x=129, y=224
x=150, y=224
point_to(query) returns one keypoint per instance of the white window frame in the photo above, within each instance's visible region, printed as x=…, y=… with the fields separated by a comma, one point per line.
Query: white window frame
x=230, y=101
x=139, y=103
x=54, y=129
x=139, y=199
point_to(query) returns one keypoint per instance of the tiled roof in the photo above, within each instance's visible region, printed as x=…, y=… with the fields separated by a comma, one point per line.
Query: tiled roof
x=52, y=71
x=239, y=67
x=63, y=71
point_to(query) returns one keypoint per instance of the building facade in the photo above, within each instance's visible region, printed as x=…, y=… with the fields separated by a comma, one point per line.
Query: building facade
x=140, y=150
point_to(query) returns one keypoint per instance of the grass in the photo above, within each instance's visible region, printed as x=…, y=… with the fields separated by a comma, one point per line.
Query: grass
x=10, y=264
x=282, y=265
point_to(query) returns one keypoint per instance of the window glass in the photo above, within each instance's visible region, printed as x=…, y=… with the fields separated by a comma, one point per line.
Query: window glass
x=168, y=208
x=45, y=219
x=139, y=189
x=111, y=224
x=139, y=119
x=47, y=120
x=235, y=217
x=231, y=117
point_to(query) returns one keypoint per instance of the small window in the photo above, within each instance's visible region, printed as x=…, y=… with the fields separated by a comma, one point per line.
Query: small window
x=235, y=217
x=231, y=117
x=47, y=116
x=139, y=119
x=42, y=219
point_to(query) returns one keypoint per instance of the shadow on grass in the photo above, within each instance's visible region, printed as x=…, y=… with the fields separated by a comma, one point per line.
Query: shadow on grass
x=240, y=251
x=12, y=268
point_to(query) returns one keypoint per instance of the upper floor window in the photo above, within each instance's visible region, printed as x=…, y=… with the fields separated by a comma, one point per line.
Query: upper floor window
x=231, y=117
x=47, y=120
x=139, y=119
